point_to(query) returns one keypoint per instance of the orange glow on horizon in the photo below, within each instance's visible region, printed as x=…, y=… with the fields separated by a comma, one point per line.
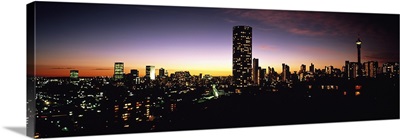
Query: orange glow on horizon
x=213, y=70
x=54, y=71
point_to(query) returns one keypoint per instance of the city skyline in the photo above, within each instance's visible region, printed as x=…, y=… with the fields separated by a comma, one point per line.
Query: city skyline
x=185, y=42
x=110, y=69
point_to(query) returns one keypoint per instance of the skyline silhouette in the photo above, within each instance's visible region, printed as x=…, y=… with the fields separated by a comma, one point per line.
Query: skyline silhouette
x=110, y=69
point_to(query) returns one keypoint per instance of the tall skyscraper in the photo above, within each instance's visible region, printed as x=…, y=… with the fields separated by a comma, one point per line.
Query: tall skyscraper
x=285, y=72
x=255, y=72
x=150, y=72
x=269, y=71
x=347, y=69
x=135, y=76
x=263, y=72
x=242, y=55
x=351, y=70
x=74, y=74
x=302, y=68
x=370, y=69
x=118, y=70
x=312, y=69
x=359, y=70
x=161, y=73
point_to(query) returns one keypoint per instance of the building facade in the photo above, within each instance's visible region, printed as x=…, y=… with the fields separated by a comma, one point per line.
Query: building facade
x=150, y=72
x=118, y=70
x=242, y=57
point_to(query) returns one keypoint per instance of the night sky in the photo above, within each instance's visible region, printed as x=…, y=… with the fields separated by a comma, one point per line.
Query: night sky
x=91, y=38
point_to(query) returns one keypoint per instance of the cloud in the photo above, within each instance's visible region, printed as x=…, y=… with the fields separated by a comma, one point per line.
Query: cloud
x=266, y=48
x=230, y=20
x=67, y=68
x=310, y=23
x=377, y=56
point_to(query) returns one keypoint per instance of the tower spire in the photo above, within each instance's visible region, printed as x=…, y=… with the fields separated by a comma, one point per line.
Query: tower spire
x=358, y=43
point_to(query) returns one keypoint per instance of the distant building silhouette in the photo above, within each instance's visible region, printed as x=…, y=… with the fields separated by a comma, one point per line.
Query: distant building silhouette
x=312, y=69
x=256, y=77
x=242, y=55
x=74, y=74
x=351, y=70
x=329, y=70
x=302, y=68
x=161, y=73
x=135, y=76
x=391, y=69
x=134, y=73
x=263, y=72
x=118, y=70
x=285, y=72
x=150, y=72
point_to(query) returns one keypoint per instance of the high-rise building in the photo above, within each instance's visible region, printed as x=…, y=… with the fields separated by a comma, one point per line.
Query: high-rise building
x=285, y=72
x=391, y=69
x=269, y=70
x=118, y=70
x=242, y=55
x=302, y=68
x=262, y=75
x=161, y=73
x=328, y=69
x=256, y=77
x=312, y=69
x=150, y=72
x=351, y=69
x=134, y=73
x=135, y=76
x=74, y=74
x=359, y=68
x=370, y=69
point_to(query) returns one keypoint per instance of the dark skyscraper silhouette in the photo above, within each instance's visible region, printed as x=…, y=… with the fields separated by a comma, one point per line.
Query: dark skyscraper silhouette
x=134, y=73
x=255, y=71
x=359, y=71
x=161, y=72
x=242, y=55
x=285, y=72
x=312, y=68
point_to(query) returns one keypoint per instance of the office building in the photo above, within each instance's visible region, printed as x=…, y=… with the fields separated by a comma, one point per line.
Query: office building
x=255, y=72
x=370, y=69
x=118, y=70
x=312, y=69
x=150, y=72
x=161, y=73
x=242, y=57
x=74, y=74
x=285, y=72
x=302, y=68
